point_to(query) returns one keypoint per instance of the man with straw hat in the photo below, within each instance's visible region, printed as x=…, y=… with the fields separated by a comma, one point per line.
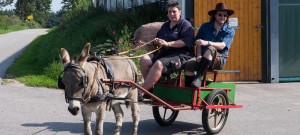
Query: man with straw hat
x=214, y=38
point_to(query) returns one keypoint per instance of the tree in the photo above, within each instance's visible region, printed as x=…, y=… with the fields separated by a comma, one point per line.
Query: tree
x=67, y=5
x=4, y=3
x=53, y=20
x=99, y=3
x=40, y=9
x=25, y=8
x=76, y=5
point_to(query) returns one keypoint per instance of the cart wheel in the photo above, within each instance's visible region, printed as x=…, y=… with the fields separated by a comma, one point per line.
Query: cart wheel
x=213, y=120
x=163, y=115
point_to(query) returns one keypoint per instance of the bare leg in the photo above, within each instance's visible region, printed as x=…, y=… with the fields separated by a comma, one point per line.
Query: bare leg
x=189, y=69
x=153, y=75
x=145, y=64
x=208, y=55
x=198, y=53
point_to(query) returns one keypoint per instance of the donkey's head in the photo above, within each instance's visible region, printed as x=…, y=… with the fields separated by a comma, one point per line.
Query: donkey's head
x=75, y=79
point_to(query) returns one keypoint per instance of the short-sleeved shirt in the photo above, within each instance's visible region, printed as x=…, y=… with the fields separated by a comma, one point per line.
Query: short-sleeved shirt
x=183, y=30
x=209, y=33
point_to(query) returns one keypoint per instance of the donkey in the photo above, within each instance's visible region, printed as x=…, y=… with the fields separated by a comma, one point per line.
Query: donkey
x=84, y=89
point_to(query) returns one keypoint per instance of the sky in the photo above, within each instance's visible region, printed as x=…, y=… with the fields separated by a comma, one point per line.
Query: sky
x=55, y=5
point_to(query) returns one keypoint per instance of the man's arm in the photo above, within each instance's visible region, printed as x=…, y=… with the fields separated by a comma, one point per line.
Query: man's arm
x=175, y=44
x=187, y=37
x=227, y=41
x=217, y=45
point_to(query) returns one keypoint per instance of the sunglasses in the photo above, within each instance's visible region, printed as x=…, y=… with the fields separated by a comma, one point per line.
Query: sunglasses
x=220, y=15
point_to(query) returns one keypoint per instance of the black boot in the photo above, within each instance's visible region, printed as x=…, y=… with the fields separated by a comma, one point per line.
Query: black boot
x=142, y=97
x=203, y=66
x=146, y=96
x=188, y=80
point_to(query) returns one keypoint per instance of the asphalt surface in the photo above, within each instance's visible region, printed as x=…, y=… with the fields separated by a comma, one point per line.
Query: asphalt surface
x=269, y=109
x=12, y=45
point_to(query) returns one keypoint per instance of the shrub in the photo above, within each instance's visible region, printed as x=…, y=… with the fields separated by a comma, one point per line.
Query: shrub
x=103, y=30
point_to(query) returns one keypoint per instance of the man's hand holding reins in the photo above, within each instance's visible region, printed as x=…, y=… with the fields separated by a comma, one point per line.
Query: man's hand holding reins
x=161, y=42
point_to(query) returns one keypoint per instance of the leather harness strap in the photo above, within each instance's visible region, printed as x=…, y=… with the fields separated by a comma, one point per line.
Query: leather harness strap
x=101, y=63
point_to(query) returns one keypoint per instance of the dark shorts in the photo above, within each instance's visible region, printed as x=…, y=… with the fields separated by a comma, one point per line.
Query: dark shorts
x=171, y=62
x=193, y=65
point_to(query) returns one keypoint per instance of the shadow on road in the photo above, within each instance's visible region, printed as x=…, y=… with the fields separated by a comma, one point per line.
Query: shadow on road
x=8, y=61
x=145, y=127
x=73, y=128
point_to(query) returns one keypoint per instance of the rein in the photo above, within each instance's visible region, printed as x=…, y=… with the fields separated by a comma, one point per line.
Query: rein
x=89, y=92
x=108, y=73
x=132, y=57
x=86, y=97
x=138, y=47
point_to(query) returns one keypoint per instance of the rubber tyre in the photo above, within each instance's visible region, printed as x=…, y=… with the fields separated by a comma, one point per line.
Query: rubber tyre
x=164, y=116
x=210, y=121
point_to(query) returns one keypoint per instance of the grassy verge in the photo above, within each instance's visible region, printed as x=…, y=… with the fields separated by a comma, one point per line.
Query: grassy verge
x=40, y=65
x=13, y=23
x=12, y=28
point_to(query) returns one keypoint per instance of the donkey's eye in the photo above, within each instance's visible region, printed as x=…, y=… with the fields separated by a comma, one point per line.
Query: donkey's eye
x=80, y=84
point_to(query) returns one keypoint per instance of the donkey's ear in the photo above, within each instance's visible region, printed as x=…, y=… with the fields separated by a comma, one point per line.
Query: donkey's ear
x=65, y=57
x=84, y=54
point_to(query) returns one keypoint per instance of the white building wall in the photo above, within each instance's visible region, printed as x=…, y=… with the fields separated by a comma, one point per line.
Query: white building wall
x=112, y=5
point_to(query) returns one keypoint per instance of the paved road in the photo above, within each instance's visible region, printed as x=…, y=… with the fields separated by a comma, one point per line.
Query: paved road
x=268, y=109
x=12, y=45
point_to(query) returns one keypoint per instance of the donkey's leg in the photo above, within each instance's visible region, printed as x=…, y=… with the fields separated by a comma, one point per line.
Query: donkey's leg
x=86, y=114
x=119, y=117
x=135, y=109
x=100, y=118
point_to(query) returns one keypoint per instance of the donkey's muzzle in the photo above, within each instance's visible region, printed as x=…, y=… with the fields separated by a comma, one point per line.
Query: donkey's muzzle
x=74, y=111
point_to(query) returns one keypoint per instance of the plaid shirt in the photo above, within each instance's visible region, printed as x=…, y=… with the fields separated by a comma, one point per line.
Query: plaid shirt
x=209, y=33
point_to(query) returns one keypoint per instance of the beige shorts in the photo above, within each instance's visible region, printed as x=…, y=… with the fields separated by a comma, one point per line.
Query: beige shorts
x=218, y=63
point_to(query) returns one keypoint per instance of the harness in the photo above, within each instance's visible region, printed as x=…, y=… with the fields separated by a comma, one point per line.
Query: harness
x=83, y=78
x=101, y=95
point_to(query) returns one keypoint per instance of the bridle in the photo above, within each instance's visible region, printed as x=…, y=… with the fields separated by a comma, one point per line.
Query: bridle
x=83, y=78
x=86, y=95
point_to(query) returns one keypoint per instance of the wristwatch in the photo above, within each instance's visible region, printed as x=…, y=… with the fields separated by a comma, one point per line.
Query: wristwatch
x=208, y=43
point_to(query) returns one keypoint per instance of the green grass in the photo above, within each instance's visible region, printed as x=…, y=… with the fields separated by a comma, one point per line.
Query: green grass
x=38, y=81
x=39, y=65
x=12, y=28
x=13, y=23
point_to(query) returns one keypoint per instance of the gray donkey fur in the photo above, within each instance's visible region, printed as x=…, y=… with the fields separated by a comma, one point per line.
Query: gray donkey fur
x=123, y=69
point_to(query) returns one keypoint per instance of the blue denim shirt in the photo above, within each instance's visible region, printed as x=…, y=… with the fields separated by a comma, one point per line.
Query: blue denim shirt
x=208, y=32
x=184, y=31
